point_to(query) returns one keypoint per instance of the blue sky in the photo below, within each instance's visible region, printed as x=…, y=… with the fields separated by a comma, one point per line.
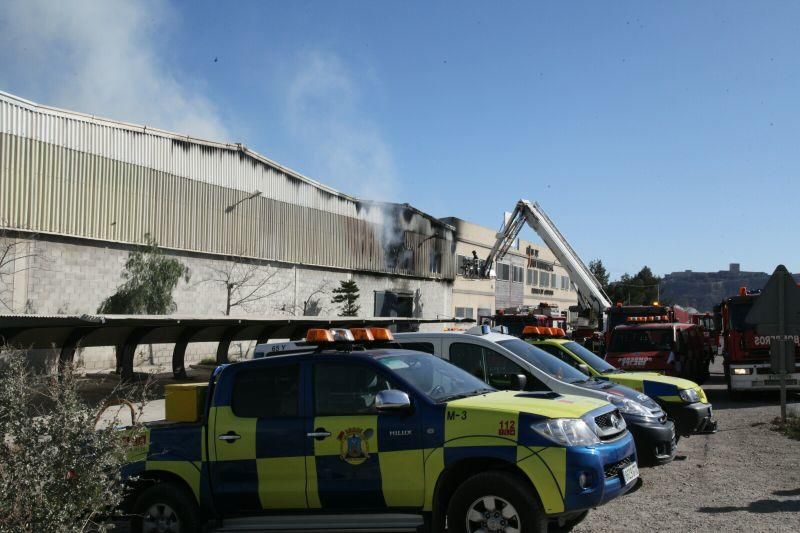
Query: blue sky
x=658, y=133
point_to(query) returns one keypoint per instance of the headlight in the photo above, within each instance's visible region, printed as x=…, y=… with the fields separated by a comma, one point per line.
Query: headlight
x=742, y=371
x=629, y=407
x=689, y=395
x=566, y=432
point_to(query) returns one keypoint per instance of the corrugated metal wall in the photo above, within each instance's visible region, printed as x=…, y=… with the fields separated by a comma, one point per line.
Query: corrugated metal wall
x=73, y=175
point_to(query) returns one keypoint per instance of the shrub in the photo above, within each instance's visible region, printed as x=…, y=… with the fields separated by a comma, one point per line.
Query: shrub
x=57, y=472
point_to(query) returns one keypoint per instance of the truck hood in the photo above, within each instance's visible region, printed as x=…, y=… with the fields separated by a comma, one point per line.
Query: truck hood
x=546, y=404
x=656, y=385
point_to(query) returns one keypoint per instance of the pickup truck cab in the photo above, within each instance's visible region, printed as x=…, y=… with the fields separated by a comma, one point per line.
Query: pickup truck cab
x=508, y=362
x=684, y=401
x=345, y=437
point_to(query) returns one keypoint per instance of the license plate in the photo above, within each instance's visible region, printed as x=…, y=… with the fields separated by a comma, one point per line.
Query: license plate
x=629, y=473
x=778, y=382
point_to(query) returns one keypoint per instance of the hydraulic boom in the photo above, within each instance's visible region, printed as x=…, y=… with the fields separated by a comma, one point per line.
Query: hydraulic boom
x=591, y=296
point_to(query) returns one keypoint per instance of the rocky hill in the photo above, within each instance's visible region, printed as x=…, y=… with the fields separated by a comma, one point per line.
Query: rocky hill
x=703, y=290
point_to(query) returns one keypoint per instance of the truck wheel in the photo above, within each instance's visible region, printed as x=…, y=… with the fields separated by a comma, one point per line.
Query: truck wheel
x=494, y=502
x=568, y=524
x=165, y=508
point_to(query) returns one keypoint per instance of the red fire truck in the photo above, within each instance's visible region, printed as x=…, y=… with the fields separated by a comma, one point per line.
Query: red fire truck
x=516, y=318
x=622, y=314
x=705, y=321
x=656, y=343
x=745, y=353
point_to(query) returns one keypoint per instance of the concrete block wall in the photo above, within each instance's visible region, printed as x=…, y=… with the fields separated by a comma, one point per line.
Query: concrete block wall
x=71, y=276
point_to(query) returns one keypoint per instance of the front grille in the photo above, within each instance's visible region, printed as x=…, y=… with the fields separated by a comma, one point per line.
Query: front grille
x=604, y=421
x=614, y=469
x=609, y=426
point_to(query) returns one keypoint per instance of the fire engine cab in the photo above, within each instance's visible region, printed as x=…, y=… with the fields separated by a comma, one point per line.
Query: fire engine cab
x=745, y=353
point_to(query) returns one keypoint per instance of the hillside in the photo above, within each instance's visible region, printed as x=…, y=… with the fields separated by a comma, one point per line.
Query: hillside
x=703, y=290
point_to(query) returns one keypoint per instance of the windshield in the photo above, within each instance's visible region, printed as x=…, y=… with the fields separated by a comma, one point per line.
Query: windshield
x=707, y=322
x=737, y=313
x=588, y=357
x=436, y=378
x=642, y=340
x=545, y=362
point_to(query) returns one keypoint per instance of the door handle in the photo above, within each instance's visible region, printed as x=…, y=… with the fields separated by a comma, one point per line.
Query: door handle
x=230, y=437
x=319, y=434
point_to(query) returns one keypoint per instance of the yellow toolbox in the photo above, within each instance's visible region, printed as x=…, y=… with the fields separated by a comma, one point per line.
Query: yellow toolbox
x=184, y=402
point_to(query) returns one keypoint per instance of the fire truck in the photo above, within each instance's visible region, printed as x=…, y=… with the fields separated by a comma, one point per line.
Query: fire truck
x=706, y=323
x=516, y=318
x=621, y=314
x=659, y=344
x=745, y=353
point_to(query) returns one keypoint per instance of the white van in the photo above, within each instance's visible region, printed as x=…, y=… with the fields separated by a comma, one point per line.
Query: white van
x=507, y=362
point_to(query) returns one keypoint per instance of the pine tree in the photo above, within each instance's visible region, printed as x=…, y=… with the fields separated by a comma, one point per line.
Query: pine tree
x=347, y=295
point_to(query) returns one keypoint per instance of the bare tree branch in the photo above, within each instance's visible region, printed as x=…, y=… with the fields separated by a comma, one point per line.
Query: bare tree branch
x=246, y=282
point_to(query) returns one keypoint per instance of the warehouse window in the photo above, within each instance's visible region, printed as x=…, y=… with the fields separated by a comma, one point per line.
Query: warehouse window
x=553, y=280
x=518, y=274
x=484, y=311
x=544, y=279
x=503, y=271
x=464, y=312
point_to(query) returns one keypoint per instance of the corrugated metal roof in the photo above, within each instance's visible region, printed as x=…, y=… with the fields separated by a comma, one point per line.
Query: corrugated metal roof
x=46, y=128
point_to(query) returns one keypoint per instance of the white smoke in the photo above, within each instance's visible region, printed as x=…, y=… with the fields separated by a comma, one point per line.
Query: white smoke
x=322, y=113
x=101, y=58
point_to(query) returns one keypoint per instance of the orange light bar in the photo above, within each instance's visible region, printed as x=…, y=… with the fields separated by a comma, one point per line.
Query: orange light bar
x=319, y=335
x=742, y=291
x=560, y=332
x=362, y=334
x=381, y=334
x=531, y=330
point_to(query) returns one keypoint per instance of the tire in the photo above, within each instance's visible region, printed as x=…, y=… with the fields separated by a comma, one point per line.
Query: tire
x=493, y=493
x=568, y=525
x=169, y=502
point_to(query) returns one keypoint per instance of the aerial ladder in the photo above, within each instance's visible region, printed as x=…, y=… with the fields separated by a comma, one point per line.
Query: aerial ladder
x=592, y=299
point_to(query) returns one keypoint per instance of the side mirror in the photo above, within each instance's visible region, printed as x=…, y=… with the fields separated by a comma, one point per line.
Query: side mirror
x=583, y=367
x=387, y=401
x=519, y=381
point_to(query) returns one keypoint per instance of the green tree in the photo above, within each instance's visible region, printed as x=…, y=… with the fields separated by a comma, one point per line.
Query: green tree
x=347, y=295
x=600, y=273
x=150, y=279
x=641, y=289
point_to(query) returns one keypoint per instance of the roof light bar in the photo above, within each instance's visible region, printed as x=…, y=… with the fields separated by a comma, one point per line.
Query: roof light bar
x=319, y=336
x=381, y=334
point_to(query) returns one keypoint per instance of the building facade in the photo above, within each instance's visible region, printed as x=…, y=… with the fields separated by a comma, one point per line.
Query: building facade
x=78, y=193
x=527, y=276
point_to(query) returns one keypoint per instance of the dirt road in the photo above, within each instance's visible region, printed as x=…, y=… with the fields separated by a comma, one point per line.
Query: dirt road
x=746, y=477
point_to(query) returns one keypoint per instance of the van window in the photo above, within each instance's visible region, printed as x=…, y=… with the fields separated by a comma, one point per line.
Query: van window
x=468, y=357
x=425, y=347
x=346, y=389
x=267, y=392
x=492, y=367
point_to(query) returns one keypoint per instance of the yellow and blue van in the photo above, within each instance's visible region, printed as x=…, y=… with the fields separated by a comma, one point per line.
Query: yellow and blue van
x=342, y=435
x=684, y=401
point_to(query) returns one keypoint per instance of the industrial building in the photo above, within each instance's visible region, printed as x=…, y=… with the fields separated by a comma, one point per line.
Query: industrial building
x=78, y=193
x=527, y=276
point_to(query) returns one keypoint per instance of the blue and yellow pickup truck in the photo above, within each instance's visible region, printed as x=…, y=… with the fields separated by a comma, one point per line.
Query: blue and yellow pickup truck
x=684, y=401
x=344, y=436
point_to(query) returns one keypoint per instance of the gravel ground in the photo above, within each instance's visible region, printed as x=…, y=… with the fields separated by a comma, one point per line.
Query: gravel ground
x=745, y=477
